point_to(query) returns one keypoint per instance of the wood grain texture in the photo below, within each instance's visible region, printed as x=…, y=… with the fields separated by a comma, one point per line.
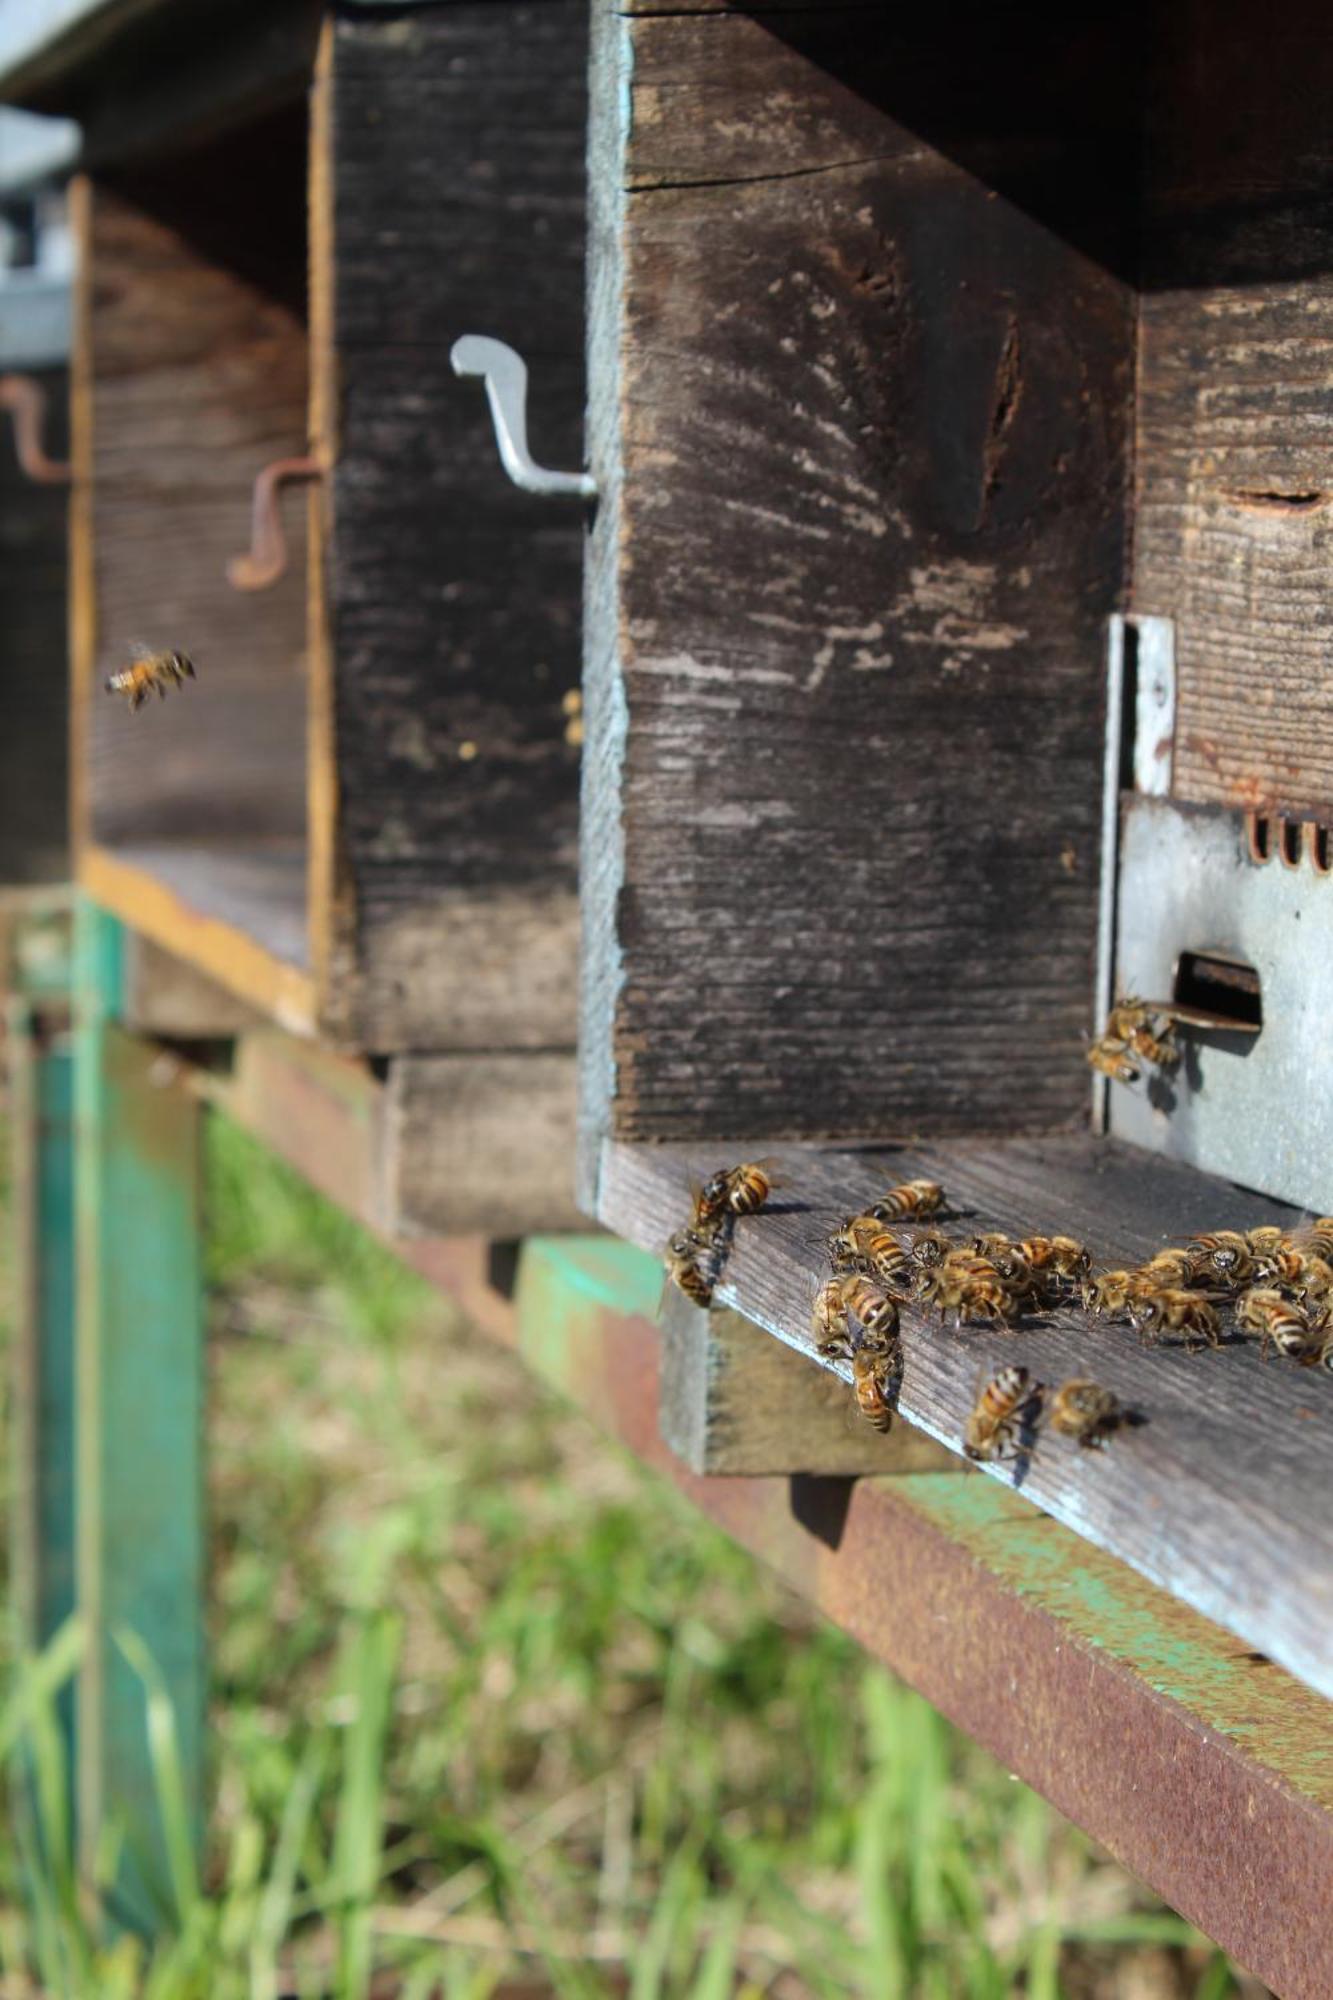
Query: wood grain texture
x=34, y=688
x=733, y=1401
x=480, y=1143
x=162, y=994
x=862, y=522
x=198, y=379
x=457, y=205
x=1223, y=1493
x=1235, y=449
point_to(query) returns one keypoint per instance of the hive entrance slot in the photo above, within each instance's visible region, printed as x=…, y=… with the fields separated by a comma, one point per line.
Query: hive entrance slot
x=1220, y=984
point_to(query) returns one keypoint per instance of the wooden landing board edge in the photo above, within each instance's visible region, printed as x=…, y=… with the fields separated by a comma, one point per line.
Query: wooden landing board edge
x=1222, y=1494
x=1139, y=1719
x=220, y=951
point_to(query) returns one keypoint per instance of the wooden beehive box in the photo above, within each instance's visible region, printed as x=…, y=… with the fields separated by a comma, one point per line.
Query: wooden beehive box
x=362, y=816
x=936, y=359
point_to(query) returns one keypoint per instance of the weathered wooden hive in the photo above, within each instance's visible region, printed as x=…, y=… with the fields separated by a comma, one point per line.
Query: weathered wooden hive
x=957, y=653
x=361, y=818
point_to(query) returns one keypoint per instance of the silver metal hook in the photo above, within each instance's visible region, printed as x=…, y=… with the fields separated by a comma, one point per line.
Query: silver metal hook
x=505, y=374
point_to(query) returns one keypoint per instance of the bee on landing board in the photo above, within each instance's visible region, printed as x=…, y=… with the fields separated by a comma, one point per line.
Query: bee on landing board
x=1223, y=1256
x=147, y=671
x=992, y=1429
x=694, y=1261
x=1083, y=1410
x=739, y=1190
x=908, y=1199
x=1279, y=1324
x=1153, y=1313
x=871, y=1386
x=870, y=1305
x=864, y=1244
x=969, y=1287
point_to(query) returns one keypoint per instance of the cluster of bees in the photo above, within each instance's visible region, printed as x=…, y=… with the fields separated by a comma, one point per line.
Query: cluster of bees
x=881, y=1258
x=697, y=1254
x=149, y=670
x=1275, y=1283
x=1136, y=1032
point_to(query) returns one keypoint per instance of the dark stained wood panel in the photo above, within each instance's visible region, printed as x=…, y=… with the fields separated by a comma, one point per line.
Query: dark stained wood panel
x=1234, y=521
x=1223, y=1493
x=34, y=680
x=863, y=482
x=198, y=380
x=458, y=206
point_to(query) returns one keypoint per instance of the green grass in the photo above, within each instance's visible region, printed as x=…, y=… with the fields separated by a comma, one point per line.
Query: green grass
x=494, y=1714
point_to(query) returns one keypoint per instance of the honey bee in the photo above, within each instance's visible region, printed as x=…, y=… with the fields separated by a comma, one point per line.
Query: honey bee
x=1008, y=1261
x=1171, y=1311
x=830, y=1324
x=739, y=1190
x=1111, y=1293
x=871, y=1305
x=1064, y=1255
x=1278, y=1323
x=1169, y=1270
x=871, y=1387
x=992, y=1429
x=864, y=1244
x=1147, y=1030
x=1085, y=1411
x=1299, y=1271
x=969, y=1287
x=1224, y=1256
x=1262, y=1242
x=147, y=671
x=694, y=1264
x=1110, y=1059
x=929, y=1247
x=908, y=1199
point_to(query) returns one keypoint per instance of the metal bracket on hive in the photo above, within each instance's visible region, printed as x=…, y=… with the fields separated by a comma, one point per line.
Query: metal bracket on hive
x=505, y=374
x=265, y=561
x=25, y=400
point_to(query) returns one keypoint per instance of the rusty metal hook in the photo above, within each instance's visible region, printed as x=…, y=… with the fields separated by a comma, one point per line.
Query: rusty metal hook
x=266, y=558
x=25, y=399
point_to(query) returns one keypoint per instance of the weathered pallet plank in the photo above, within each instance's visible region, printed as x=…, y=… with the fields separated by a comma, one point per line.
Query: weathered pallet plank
x=1234, y=454
x=457, y=205
x=734, y=1402
x=1224, y=1494
x=862, y=459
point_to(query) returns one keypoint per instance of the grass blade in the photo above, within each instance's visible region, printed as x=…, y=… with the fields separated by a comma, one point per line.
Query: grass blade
x=359, y=1836
x=177, y=1818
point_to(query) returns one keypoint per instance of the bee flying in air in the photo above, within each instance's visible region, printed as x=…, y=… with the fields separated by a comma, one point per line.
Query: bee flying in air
x=147, y=671
x=1085, y=1411
x=992, y=1429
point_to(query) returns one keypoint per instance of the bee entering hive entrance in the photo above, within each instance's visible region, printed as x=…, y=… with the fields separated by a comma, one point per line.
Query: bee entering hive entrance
x=1221, y=986
x=1244, y=948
